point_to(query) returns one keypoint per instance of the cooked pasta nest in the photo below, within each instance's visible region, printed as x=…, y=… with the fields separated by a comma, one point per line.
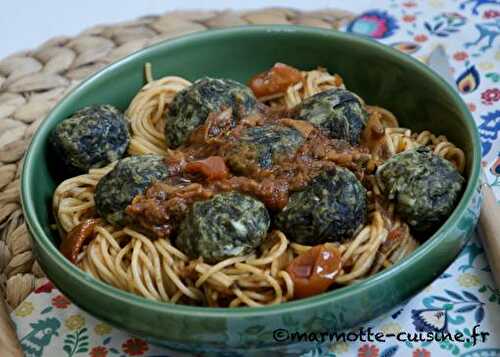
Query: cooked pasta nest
x=157, y=270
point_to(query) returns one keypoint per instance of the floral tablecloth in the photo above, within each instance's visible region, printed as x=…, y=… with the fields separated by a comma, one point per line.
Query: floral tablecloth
x=464, y=296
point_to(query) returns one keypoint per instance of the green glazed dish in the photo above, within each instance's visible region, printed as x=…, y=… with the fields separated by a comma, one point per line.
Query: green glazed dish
x=379, y=74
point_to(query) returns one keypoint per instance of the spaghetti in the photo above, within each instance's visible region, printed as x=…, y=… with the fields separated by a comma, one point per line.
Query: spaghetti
x=155, y=269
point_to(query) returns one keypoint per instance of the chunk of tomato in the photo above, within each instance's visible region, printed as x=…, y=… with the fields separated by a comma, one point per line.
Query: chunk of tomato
x=275, y=80
x=314, y=271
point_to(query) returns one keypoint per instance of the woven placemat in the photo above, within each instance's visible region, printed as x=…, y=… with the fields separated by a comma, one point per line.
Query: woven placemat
x=31, y=83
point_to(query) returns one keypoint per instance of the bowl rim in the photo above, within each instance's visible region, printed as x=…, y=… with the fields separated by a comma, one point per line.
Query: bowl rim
x=105, y=290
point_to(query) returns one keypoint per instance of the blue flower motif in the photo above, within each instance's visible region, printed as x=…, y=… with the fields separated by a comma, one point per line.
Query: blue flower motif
x=488, y=130
x=469, y=80
x=430, y=320
x=475, y=4
x=482, y=352
x=374, y=23
x=445, y=24
x=389, y=351
x=397, y=313
x=495, y=168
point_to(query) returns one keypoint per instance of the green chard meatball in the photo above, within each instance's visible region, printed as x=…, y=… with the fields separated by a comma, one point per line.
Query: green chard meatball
x=228, y=225
x=191, y=106
x=331, y=208
x=263, y=146
x=337, y=112
x=130, y=177
x=424, y=186
x=92, y=137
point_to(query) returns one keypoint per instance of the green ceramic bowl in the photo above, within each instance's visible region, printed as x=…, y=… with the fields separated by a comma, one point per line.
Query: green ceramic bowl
x=379, y=74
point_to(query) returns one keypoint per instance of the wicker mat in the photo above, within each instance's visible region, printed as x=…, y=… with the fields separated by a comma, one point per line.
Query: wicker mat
x=31, y=83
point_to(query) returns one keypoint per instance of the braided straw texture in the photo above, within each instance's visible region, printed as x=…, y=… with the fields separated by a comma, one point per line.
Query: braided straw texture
x=31, y=83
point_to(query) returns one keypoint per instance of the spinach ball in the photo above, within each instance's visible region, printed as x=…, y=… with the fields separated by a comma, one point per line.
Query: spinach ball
x=228, y=225
x=92, y=137
x=263, y=146
x=424, y=186
x=130, y=177
x=330, y=209
x=337, y=112
x=191, y=106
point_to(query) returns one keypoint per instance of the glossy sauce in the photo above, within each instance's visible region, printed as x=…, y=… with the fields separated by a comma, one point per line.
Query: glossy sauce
x=199, y=170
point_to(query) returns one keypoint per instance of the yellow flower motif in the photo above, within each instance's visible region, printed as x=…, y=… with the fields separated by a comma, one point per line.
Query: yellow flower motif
x=102, y=329
x=25, y=309
x=486, y=66
x=339, y=347
x=468, y=280
x=74, y=322
x=497, y=55
x=391, y=327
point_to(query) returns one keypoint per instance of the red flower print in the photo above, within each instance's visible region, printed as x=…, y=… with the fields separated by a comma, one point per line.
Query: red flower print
x=421, y=352
x=460, y=56
x=490, y=95
x=60, y=301
x=471, y=106
x=135, y=347
x=491, y=14
x=408, y=18
x=368, y=351
x=420, y=38
x=99, y=351
x=45, y=288
x=409, y=4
